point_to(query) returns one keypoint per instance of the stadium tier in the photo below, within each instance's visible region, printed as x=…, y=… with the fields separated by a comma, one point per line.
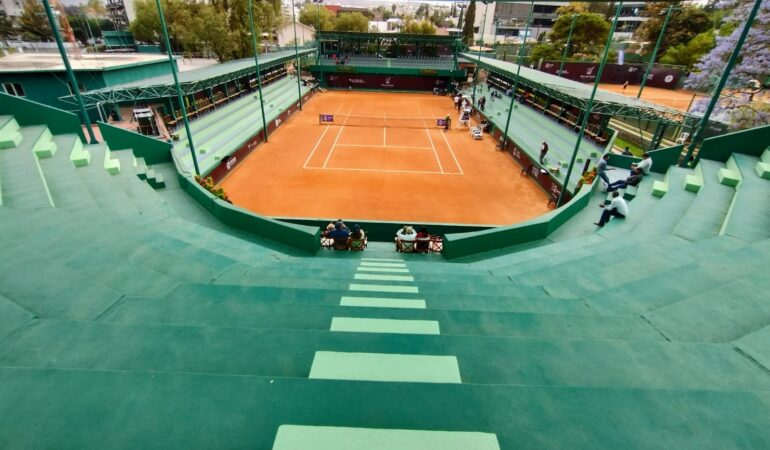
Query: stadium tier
x=132, y=317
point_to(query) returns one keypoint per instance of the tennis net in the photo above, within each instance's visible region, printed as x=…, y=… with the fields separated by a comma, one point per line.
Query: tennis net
x=350, y=120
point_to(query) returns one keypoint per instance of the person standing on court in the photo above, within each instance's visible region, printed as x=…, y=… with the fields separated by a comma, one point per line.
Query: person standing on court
x=617, y=208
x=625, y=85
x=543, y=152
x=457, y=102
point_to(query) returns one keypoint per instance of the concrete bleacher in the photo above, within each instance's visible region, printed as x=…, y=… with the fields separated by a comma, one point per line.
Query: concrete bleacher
x=226, y=129
x=130, y=316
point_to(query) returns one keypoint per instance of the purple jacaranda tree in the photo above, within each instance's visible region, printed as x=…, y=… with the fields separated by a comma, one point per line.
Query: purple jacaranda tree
x=745, y=100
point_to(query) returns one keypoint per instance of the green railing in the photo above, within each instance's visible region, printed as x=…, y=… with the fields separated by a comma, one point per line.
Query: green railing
x=662, y=159
x=749, y=142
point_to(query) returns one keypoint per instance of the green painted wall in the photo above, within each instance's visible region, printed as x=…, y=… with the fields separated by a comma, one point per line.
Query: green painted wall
x=662, y=159
x=133, y=73
x=317, y=69
x=750, y=142
x=300, y=237
x=385, y=231
x=28, y=112
x=465, y=244
x=47, y=87
x=152, y=150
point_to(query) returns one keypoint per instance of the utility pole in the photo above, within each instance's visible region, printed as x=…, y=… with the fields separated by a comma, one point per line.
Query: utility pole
x=68, y=68
x=178, y=87
x=256, y=63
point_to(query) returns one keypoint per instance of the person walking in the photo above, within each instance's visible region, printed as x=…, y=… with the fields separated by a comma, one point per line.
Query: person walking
x=625, y=85
x=617, y=208
x=601, y=169
x=543, y=152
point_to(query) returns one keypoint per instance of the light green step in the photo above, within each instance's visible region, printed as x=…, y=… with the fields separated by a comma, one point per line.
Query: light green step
x=79, y=156
x=694, y=182
x=765, y=158
x=10, y=132
x=45, y=147
x=763, y=170
x=630, y=192
x=730, y=175
x=112, y=166
x=155, y=179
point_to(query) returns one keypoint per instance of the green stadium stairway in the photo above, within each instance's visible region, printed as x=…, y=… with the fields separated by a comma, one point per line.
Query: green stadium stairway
x=130, y=316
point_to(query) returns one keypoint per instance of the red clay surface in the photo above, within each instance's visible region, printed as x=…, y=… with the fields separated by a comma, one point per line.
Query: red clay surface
x=308, y=170
x=676, y=99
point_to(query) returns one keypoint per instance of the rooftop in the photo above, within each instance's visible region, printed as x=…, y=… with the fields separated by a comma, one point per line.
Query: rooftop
x=47, y=62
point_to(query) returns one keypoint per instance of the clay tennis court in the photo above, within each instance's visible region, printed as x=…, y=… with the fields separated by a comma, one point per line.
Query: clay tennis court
x=678, y=99
x=369, y=166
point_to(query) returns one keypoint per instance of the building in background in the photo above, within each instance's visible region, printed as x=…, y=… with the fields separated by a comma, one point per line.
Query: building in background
x=121, y=12
x=631, y=16
x=284, y=35
x=507, y=22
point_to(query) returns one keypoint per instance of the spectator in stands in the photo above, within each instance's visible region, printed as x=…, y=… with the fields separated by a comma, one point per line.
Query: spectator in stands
x=617, y=208
x=457, y=100
x=405, y=238
x=645, y=164
x=633, y=180
x=482, y=103
x=543, y=152
x=340, y=236
x=422, y=241
x=627, y=152
x=357, y=240
x=601, y=169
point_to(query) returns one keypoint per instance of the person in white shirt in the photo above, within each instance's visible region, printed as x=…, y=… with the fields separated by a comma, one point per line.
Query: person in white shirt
x=405, y=238
x=617, y=207
x=645, y=164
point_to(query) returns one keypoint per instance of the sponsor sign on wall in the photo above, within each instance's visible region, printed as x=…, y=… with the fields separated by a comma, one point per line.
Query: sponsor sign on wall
x=661, y=77
x=395, y=82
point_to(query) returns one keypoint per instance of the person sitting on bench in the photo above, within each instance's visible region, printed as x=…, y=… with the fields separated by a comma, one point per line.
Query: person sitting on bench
x=633, y=180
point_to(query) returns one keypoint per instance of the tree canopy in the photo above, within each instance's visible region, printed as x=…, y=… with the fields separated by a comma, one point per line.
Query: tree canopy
x=470, y=23
x=685, y=24
x=352, y=22
x=317, y=16
x=33, y=22
x=421, y=27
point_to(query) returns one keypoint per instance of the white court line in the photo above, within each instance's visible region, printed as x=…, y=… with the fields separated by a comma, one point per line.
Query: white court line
x=339, y=133
x=382, y=146
x=383, y=170
x=319, y=140
x=433, y=146
x=452, y=152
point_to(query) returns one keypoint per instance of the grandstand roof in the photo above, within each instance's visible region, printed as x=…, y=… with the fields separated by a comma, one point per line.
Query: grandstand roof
x=577, y=93
x=191, y=81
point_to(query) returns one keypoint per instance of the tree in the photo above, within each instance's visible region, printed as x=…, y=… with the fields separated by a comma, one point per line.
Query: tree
x=421, y=27
x=96, y=7
x=738, y=106
x=34, y=23
x=589, y=34
x=684, y=25
x=470, y=23
x=688, y=54
x=546, y=52
x=352, y=22
x=6, y=29
x=317, y=17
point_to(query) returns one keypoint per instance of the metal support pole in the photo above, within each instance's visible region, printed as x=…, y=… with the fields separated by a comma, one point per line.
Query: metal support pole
x=722, y=81
x=70, y=74
x=256, y=66
x=478, y=59
x=587, y=112
x=671, y=9
x=178, y=88
x=569, y=40
x=516, y=79
x=296, y=53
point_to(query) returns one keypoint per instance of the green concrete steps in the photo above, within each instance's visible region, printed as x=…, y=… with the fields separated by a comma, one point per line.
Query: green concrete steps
x=140, y=167
x=10, y=132
x=432, y=300
x=141, y=193
x=289, y=353
x=202, y=310
x=757, y=345
x=660, y=187
x=108, y=194
x=195, y=411
x=67, y=188
x=12, y=316
x=707, y=213
x=749, y=215
x=111, y=165
x=694, y=182
x=79, y=156
x=24, y=185
x=155, y=180
x=44, y=146
x=762, y=168
x=730, y=175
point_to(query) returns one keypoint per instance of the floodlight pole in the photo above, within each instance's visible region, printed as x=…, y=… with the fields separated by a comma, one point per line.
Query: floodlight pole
x=671, y=9
x=516, y=79
x=178, y=87
x=478, y=59
x=722, y=81
x=296, y=53
x=68, y=68
x=569, y=40
x=590, y=103
x=256, y=62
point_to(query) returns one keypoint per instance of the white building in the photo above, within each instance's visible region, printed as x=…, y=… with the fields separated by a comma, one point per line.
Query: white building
x=11, y=8
x=284, y=35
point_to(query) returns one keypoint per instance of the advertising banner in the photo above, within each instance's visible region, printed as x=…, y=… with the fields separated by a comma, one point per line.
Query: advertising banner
x=394, y=82
x=661, y=77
